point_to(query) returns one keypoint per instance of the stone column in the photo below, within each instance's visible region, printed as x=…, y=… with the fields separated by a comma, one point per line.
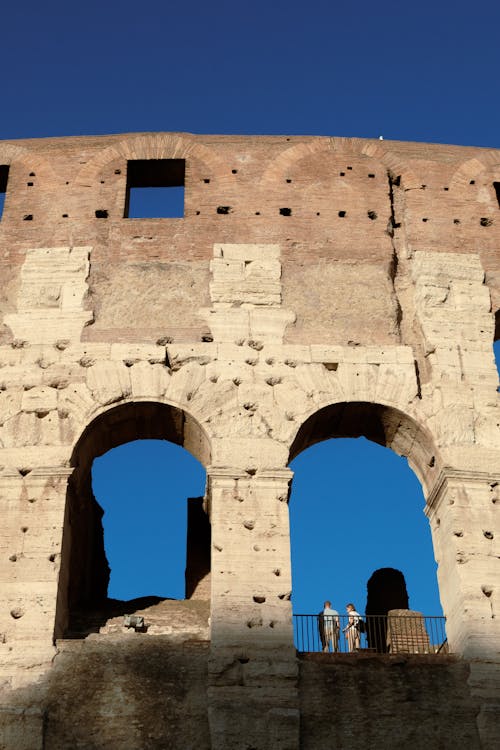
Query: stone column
x=463, y=511
x=253, y=698
x=33, y=508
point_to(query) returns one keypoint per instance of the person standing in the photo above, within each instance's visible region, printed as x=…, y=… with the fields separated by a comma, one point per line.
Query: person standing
x=351, y=631
x=329, y=628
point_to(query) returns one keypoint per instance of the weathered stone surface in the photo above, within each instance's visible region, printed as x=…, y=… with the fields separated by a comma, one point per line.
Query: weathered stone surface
x=386, y=701
x=326, y=287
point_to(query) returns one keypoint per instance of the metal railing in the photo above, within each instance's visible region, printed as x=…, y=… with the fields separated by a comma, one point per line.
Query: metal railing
x=410, y=633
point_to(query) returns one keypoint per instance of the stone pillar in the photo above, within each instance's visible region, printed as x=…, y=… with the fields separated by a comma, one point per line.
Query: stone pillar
x=253, y=698
x=463, y=511
x=33, y=508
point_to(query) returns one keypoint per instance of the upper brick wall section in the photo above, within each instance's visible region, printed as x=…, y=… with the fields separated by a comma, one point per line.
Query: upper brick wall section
x=339, y=208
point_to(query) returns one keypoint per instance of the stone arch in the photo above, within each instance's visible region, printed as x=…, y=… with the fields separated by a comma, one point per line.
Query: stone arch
x=10, y=154
x=84, y=574
x=387, y=426
x=133, y=416
x=375, y=150
x=383, y=424
x=488, y=161
x=150, y=146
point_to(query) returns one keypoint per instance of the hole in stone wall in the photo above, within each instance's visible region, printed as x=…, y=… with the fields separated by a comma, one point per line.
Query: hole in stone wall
x=285, y=211
x=371, y=175
x=456, y=221
x=496, y=186
x=101, y=213
x=28, y=217
x=155, y=188
x=486, y=221
x=372, y=215
x=223, y=209
x=472, y=182
x=342, y=214
x=29, y=184
x=4, y=177
x=234, y=171
x=206, y=180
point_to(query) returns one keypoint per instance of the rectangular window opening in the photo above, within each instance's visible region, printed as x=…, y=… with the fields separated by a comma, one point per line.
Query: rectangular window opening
x=155, y=189
x=4, y=176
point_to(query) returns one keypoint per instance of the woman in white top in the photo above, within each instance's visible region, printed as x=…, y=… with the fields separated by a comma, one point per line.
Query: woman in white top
x=351, y=631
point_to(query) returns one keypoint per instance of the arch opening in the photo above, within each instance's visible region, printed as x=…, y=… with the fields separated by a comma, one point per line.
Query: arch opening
x=378, y=423
x=130, y=462
x=496, y=344
x=357, y=508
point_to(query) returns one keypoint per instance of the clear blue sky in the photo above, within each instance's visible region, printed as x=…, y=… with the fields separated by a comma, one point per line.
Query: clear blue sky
x=426, y=71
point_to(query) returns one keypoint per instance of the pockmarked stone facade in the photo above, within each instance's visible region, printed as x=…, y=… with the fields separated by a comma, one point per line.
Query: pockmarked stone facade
x=310, y=288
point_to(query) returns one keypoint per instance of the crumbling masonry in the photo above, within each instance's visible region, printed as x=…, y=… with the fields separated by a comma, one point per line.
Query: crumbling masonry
x=312, y=288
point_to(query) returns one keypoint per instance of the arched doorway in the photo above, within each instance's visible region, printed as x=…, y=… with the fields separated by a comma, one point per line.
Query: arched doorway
x=83, y=603
x=356, y=507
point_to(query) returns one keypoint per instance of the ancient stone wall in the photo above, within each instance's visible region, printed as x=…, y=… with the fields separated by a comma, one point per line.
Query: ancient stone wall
x=313, y=288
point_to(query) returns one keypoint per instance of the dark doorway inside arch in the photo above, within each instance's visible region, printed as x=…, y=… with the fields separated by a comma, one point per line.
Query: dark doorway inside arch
x=136, y=533
x=385, y=591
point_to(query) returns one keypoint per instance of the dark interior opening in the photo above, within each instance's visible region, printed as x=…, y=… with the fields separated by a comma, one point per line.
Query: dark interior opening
x=386, y=590
x=496, y=185
x=4, y=176
x=155, y=188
